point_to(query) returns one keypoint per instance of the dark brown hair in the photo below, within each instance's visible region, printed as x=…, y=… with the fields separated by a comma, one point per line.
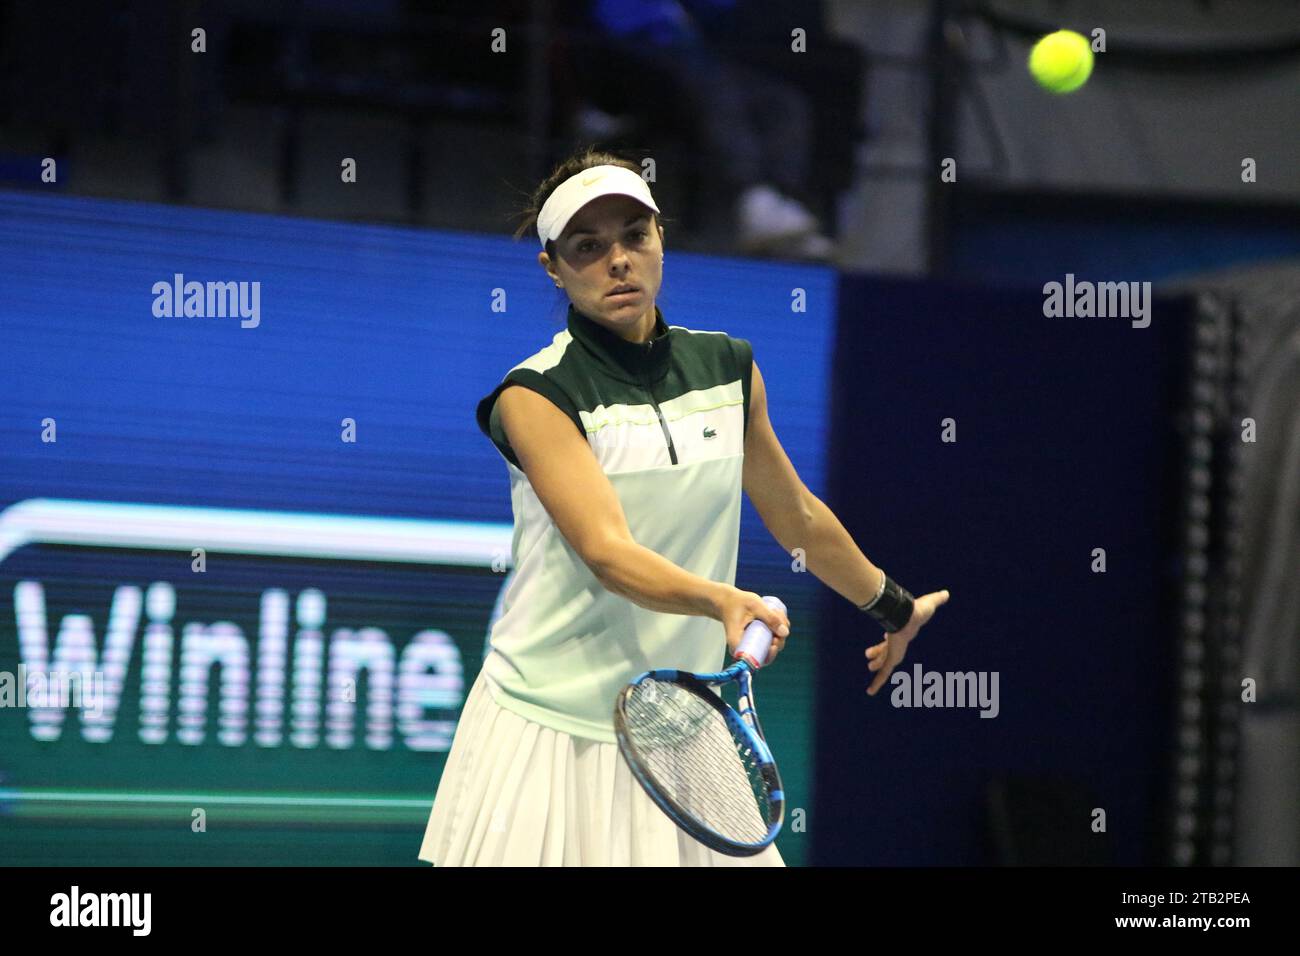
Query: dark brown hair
x=584, y=159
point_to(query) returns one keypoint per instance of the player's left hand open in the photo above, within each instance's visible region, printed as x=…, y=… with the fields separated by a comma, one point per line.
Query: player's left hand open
x=887, y=655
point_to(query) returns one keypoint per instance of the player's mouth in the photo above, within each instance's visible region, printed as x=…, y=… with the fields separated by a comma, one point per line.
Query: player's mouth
x=624, y=290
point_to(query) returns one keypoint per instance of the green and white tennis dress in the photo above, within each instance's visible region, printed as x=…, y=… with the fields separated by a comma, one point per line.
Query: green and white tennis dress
x=534, y=776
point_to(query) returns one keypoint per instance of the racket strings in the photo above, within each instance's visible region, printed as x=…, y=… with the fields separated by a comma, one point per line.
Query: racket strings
x=694, y=757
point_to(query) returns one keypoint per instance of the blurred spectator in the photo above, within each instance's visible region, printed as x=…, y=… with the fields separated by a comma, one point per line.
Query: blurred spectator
x=754, y=129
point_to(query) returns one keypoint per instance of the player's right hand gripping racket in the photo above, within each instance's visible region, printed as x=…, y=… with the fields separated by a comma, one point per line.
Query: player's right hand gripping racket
x=706, y=765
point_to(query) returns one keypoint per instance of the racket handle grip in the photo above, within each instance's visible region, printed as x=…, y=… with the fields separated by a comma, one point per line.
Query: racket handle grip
x=757, y=639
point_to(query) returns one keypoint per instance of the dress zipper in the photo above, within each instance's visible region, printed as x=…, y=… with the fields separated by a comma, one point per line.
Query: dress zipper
x=668, y=436
x=672, y=452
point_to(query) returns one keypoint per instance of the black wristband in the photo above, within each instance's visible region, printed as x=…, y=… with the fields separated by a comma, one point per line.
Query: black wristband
x=893, y=609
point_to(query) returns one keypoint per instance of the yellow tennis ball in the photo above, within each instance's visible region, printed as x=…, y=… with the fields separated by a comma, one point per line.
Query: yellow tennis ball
x=1061, y=61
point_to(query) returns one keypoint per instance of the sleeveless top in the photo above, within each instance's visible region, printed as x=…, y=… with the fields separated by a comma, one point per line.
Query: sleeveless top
x=666, y=420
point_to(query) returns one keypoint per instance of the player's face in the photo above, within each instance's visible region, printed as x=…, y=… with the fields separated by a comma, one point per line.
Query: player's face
x=611, y=241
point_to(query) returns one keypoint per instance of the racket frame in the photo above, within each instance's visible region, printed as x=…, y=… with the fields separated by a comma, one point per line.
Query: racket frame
x=743, y=719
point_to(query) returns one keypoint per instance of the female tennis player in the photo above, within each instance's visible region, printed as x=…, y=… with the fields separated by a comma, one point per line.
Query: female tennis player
x=627, y=443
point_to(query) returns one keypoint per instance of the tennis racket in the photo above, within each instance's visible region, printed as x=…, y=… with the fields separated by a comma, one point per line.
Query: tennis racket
x=703, y=762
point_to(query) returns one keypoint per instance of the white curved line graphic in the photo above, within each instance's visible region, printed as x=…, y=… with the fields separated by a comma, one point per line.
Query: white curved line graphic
x=110, y=524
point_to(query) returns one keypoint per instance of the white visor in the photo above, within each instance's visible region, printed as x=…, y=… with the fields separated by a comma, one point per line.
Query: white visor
x=581, y=188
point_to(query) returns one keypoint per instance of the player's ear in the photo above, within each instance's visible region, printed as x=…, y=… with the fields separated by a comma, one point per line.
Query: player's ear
x=544, y=261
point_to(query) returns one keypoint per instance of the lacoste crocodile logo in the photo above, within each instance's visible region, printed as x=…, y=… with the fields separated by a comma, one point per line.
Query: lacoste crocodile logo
x=710, y=433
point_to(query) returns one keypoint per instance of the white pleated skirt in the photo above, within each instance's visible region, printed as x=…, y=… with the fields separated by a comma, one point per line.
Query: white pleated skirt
x=517, y=793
